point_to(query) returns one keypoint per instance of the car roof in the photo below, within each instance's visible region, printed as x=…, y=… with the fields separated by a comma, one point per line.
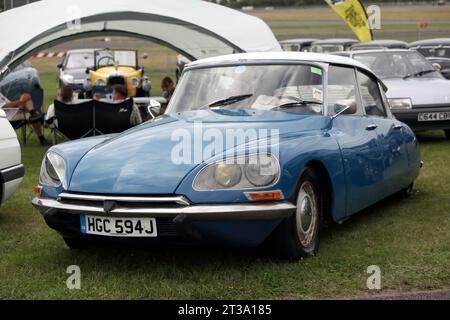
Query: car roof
x=335, y=41
x=379, y=50
x=298, y=40
x=81, y=51
x=380, y=43
x=430, y=42
x=277, y=57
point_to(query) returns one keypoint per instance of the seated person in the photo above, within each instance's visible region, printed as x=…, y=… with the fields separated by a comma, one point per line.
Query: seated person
x=168, y=88
x=65, y=96
x=119, y=95
x=26, y=112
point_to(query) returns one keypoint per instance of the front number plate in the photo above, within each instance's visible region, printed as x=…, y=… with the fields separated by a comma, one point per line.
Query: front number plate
x=118, y=227
x=434, y=116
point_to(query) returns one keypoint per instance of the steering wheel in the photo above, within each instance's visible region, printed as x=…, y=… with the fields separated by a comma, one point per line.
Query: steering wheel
x=106, y=57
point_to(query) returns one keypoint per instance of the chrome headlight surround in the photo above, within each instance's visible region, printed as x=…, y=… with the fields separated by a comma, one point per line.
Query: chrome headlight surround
x=239, y=173
x=400, y=103
x=134, y=82
x=53, y=171
x=67, y=78
x=100, y=82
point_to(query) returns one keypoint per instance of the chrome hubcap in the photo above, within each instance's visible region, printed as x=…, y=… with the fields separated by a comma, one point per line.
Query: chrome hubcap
x=306, y=214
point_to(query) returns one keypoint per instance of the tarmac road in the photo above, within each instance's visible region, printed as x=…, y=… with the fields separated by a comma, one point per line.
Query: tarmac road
x=419, y=295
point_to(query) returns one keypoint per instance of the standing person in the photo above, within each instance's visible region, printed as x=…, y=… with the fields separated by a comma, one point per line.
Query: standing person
x=119, y=95
x=25, y=104
x=168, y=87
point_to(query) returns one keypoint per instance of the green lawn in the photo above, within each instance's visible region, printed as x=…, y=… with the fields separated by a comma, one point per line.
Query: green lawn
x=408, y=239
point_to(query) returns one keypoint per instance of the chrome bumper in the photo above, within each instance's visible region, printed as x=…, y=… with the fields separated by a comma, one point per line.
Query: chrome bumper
x=250, y=211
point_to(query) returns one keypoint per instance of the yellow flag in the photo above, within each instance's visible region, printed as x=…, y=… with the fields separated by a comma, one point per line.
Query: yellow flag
x=353, y=12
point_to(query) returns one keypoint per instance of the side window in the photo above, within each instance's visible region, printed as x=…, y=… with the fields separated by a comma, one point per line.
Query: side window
x=371, y=96
x=341, y=90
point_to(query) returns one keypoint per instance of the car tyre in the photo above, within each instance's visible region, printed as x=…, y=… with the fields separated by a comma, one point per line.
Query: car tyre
x=407, y=192
x=447, y=134
x=75, y=243
x=298, y=236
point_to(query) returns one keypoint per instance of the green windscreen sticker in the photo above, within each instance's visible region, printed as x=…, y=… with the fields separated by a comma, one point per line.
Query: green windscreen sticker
x=316, y=70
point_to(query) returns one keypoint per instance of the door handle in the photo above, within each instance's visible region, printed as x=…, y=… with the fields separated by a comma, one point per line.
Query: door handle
x=398, y=126
x=371, y=127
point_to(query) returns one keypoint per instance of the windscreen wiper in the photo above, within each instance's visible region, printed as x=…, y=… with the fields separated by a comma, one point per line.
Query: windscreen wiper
x=419, y=74
x=298, y=103
x=228, y=101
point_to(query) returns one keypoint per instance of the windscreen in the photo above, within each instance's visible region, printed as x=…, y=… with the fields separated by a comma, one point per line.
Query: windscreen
x=263, y=87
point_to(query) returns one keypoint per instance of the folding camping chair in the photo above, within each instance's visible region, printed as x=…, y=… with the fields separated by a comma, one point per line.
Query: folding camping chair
x=74, y=121
x=37, y=96
x=112, y=117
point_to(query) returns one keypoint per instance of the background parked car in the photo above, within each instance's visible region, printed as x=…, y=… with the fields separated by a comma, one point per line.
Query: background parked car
x=72, y=71
x=112, y=67
x=332, y=45
x=443, y=64
x=11, y=168
x=380, y=44
x=436, y=51
x=297, y=45
x=418, y=94
x=23, y=79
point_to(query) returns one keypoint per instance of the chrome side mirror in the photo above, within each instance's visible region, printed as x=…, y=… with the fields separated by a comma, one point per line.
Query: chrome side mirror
x=154, y=108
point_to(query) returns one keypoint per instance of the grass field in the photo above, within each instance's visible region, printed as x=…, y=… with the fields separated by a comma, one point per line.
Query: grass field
x=408, y=239
x=397, y=22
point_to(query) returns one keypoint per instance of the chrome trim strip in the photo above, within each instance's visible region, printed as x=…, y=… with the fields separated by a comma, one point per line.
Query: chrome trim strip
x=247, y=211
x=179, y=199
x=12, y=173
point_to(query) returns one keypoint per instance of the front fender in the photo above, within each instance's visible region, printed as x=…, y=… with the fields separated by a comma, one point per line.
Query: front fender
x=73, y=152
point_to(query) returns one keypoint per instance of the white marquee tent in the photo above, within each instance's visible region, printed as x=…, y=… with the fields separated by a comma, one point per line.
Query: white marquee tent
x=195, y=28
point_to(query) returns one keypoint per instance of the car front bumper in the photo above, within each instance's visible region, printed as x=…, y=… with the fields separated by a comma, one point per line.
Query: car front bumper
x=411, y=118
x=10, y=179
x=246, y=224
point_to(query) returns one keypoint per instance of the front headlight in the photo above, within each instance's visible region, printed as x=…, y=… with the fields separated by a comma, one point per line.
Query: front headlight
x=100, y=83
x=67, y=78
x=247, y=172
x=134, y=82
x=53, y=171
x=400, y=104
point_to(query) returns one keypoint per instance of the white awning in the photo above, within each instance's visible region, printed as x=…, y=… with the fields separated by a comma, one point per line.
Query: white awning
x=197, y=29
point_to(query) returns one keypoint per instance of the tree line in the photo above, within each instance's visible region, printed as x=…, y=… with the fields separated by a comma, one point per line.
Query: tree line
x=283, y=3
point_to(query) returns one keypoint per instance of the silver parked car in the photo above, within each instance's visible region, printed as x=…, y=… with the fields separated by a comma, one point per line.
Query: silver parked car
x=418, y=94
x=332, y=45
x=72, y=71
x=297, y=45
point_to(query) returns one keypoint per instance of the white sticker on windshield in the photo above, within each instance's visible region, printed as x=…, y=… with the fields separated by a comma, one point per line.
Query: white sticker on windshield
x=318, y=94
x=240, y=69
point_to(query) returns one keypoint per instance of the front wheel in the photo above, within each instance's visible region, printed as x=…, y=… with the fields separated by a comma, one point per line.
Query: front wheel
x=75, y=243
x=298, y=236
